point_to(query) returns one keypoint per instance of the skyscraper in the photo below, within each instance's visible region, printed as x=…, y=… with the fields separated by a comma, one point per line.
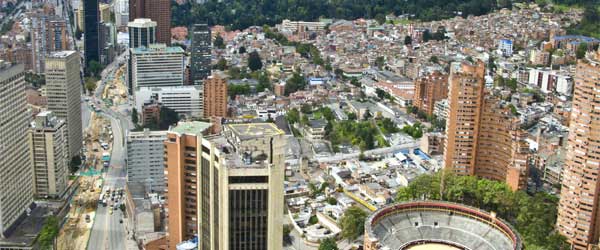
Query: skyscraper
x=49, y=155
x=483, y=137
x=142, y=32
x=578, y=208
x=92, y=22
x=215, y=96
x=156, y=10
x=237, y=186
x=429, y=89
x=201, y=53
x=16, y=176
x=63, y=83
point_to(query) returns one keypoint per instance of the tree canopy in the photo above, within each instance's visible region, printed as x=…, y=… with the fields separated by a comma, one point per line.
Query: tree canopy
x=238, y=14
x=328, y=244
x=353, y=222
x=254, y=61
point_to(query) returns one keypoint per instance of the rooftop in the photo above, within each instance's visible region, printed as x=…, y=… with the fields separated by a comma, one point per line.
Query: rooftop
x=61, y=54
x=255, y=130
x=191, y=128
x=157, y=48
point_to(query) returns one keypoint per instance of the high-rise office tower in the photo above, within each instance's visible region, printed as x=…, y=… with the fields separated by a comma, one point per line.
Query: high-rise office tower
x=429, y=89
x=91, y=23
x=156, y=10
x=142, y=32
x=157, y=65
x=228, y=188
x=578, y=217
x=49, y=155
x=145, y=162
x=215, y=96
x=16, y=174
x=483, y=137
x=201, y=53
x=63, y=83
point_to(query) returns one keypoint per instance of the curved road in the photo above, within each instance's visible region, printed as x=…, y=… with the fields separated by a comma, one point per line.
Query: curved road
x=107, y=231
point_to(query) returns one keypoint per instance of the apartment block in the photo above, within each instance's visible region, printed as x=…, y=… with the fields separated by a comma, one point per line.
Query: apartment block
x=578, y=218
x=483, y=137
x=145, y=162
x=49, y=155
x=238, y=181
x=63, y=87
x=215, y=96
x=16, y=175
x=185, y=100
x=429, y=89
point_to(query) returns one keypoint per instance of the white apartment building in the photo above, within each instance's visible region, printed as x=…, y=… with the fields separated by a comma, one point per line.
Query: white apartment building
x=16, y=177
x=63, y=87
x=550, y=81
x=49, y=154
x=186, y=100
x=145, y=159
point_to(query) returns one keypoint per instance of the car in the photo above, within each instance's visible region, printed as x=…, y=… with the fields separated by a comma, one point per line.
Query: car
x=121, y=221
x=110, y=211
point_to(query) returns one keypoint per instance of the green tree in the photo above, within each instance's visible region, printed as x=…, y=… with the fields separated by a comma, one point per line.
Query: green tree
x=219, y=42
x=90, y=84
x=254, y=61
x=355, y=82
x=434, y=59
x=353, y=222
x=287, y=229
x=94, y=68
x=328, y=244
x=134, y=116
x=380, y=62
x=407, y=40
x=48, y=233
x=295, y=83
x=221, y=64
x=581, y=50
x=168, y=117
x=242, y=50
x=293, y=116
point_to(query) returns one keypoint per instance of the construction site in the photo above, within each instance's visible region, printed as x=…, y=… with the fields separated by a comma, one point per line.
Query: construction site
x=98, y=139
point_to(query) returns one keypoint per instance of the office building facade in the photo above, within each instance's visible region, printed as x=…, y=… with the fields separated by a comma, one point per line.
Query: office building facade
x=142, y=32
x=63, y=83
x=215, y=96
x=201, y=53
x=156, y=10
x=238, y=177
x=578, y=217
x=145, y=162
x=429, y=89
x=157, y=65
x=16, y=175
x=483, y=137
x=91, y=23
x=49, y=155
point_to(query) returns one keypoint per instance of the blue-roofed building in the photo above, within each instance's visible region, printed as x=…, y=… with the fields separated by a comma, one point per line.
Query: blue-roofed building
x=571, y=42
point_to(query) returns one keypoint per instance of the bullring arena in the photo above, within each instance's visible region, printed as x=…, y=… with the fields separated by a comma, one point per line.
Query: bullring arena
x=437, y=225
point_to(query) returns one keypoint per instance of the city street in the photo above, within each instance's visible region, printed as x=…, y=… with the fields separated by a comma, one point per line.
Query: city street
x=109, y=231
